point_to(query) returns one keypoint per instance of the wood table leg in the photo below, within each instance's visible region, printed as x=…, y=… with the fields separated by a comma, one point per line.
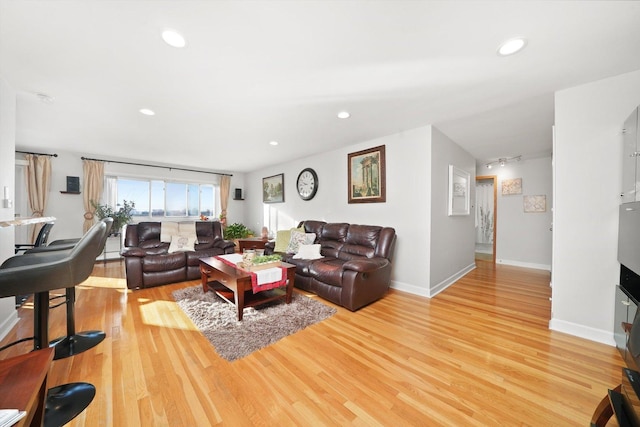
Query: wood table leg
x=204, y=277
x=291, y=275
x=239, y=297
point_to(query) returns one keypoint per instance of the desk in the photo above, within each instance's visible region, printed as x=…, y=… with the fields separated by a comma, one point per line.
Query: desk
x=23, y=384
x=251, y=243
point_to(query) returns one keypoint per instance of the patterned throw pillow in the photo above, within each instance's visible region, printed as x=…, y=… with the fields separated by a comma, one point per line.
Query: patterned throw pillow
x=282, y=239
x=297, y=239
x=181, y=243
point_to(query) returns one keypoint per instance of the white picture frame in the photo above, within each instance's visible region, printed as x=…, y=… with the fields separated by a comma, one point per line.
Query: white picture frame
x=459, y=187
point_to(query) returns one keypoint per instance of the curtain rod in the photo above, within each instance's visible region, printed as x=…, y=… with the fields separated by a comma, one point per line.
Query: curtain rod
x=37, y=154
x=155, y=166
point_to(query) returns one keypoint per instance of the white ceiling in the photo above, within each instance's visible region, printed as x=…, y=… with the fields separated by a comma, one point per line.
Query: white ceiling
x=256, y=71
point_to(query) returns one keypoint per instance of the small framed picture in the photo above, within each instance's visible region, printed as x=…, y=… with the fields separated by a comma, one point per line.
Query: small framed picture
x=458, y=191
x=273, y=189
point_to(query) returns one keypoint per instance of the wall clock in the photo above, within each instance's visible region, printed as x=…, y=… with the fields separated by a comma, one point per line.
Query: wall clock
x=307, y=184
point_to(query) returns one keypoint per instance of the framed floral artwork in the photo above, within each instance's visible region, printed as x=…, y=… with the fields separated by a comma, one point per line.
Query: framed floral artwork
x=511, y=186
x=535, y=204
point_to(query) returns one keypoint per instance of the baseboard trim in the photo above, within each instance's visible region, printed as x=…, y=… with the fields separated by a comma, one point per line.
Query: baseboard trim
x=9, y=322
x=450, y=280
x=411, y=289
x=427, y=292
x=546, y=267
x=581, y=331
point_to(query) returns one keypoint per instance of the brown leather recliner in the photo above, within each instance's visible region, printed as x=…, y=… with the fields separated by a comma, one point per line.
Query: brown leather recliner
x=356, y=266
x=148, y=262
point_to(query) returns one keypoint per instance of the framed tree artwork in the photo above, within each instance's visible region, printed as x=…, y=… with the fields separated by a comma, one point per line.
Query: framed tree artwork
x=366, y=176
x=273, y=189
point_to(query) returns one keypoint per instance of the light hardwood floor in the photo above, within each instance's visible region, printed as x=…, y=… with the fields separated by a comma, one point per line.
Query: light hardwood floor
x=479, y=353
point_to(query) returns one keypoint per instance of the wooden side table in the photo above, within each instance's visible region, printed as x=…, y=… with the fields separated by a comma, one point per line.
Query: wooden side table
x=23, y=384
x=252, y=243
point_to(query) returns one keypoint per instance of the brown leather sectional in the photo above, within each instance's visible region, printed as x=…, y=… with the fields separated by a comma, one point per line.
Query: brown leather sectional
x=148, y=263
x=356, y=266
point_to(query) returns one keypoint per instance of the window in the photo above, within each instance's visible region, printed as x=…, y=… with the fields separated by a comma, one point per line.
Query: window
x=156, y=199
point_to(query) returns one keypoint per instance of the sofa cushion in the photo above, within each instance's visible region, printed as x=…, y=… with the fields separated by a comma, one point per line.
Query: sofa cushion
x=163, y=262
x=361, y=241
x=148, y=231
x=328, y=271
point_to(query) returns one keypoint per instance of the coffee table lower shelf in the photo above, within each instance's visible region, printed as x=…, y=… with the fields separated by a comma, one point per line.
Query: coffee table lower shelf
x=250, y=299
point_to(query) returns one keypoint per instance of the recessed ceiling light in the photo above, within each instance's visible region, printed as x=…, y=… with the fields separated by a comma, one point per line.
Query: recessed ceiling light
x=344, y=115
x=173, y=38
x=512, y=46
x=147, y=112
x=274, y=143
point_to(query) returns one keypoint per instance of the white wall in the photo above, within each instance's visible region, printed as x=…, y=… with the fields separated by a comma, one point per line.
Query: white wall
x=588, y=182
x=8, y=315
x=406, y=209
x=452, y=237
x=524, y=239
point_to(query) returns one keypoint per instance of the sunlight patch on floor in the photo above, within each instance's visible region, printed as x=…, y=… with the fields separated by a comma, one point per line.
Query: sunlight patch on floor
x=103, y=282
x=166, y=314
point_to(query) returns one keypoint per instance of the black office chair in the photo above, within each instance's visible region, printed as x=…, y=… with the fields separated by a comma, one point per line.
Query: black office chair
x=41, y=239
x=39, y=273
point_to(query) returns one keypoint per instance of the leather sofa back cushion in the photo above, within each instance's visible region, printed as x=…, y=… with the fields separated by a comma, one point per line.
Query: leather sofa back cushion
x=334, y=231
x=148, y=231
x=363, y=235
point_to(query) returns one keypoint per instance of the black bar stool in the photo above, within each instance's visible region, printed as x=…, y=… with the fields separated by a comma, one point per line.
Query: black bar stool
x=39, y=273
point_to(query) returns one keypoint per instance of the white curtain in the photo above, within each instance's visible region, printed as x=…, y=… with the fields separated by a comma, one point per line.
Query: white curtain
x=484, y=212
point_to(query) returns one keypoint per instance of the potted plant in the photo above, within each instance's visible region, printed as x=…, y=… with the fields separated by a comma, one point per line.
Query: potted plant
x=237, y=231
x=120, y=217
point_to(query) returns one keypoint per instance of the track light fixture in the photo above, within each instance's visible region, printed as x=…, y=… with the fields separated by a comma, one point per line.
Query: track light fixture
x=503, y=161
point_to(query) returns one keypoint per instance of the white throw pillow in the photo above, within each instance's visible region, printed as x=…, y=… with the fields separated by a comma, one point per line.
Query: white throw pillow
x=308, y=252
x=297, y=239
x=188, y=229
x=182, y=243
x=168, y=229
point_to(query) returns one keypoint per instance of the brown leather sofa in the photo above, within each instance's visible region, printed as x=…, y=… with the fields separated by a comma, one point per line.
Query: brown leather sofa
x=149, y=263
x=356, y=266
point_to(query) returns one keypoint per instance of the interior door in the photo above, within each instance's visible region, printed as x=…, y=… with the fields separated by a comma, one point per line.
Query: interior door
x=486, y=217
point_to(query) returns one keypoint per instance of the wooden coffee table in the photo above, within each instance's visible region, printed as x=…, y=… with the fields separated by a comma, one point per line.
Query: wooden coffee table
x=234, y=285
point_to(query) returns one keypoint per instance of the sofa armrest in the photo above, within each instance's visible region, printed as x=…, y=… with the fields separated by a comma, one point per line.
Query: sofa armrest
x=226, y=245
x=133, y=251
x=269, y=247
x=365, y=265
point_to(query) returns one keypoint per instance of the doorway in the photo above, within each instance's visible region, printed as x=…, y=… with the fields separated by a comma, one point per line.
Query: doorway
x=486, y=216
